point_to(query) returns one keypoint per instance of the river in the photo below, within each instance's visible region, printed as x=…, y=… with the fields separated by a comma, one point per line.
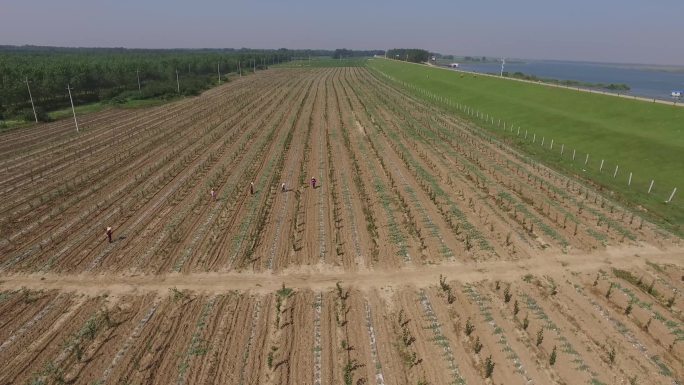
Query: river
x=645, y=81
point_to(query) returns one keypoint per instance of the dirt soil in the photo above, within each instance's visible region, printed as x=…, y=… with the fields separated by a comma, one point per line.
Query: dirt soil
x=428, y=252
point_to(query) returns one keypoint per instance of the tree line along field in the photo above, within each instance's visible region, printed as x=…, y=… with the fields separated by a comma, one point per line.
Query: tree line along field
x=429, y=252
x=112, y=75
x=103, y=77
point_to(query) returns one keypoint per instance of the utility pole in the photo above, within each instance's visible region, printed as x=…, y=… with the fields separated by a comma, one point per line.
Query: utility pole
x=137, y=73
x=31, y=97
x=177, y=83
x=503, y=62
x=73, y=110
x=218, y=68
x=254, y=65
x=239, y=68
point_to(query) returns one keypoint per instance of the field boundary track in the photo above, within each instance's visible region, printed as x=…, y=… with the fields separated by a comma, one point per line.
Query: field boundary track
x=317, y=277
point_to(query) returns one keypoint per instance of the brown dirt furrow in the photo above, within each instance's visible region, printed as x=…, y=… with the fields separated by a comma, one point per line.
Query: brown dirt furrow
x=395, y=226
x=20, y=311
x=383, y=312
x=160, y=362
x=427, y=247
x=430, y=362
x=632, y=354
x=230, y=354
x=40, y=358
x=471, y=364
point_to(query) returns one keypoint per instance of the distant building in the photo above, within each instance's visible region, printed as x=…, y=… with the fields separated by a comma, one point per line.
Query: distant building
x=453, y=65
x=677, y=94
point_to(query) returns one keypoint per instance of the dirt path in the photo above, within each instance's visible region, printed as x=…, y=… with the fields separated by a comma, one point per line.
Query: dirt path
x=318, y=277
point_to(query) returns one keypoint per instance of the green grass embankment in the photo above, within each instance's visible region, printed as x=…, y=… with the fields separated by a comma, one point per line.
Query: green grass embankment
x=646, y=139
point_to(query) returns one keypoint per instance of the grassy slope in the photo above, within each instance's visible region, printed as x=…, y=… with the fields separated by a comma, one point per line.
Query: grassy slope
x=644, y=138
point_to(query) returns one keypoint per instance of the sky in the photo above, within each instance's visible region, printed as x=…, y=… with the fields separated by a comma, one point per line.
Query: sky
x=620, y=31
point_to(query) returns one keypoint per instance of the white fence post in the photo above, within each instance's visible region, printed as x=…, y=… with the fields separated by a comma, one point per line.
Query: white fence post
x=650, y=187
x=601, y=167
x=672, y=195
x=629, y=182
x=615, y=173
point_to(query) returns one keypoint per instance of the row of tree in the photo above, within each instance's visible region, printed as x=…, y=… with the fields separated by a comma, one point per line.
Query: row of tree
x=409, y=54
x=345, y=53
x=105, y=74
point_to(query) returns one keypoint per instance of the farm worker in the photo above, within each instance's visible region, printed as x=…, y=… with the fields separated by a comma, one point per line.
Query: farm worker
x=213, y=194
x=251, y=188
x=313, y=182
x=282, y=187
x=109, y=234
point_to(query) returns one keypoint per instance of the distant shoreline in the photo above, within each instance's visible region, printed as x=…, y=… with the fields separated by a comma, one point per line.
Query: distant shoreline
x=611, y=87
x=580, y=89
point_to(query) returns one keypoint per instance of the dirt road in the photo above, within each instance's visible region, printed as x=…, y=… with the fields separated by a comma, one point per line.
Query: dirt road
x=318, y=277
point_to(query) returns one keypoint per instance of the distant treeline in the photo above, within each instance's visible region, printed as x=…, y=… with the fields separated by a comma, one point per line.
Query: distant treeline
x=476, y=59
x=482, y=59
x=346, y=53
x=570, y=83
x=111, y=74
x=409, y=54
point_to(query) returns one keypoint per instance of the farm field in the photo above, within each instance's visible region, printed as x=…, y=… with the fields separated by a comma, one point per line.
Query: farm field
x=428, y=253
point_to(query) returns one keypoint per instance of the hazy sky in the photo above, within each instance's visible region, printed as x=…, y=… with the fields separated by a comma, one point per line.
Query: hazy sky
x=634, y=31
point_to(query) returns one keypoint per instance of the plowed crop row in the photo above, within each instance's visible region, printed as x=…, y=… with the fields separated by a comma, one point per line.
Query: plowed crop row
x=427, y=253
x=389, y=334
